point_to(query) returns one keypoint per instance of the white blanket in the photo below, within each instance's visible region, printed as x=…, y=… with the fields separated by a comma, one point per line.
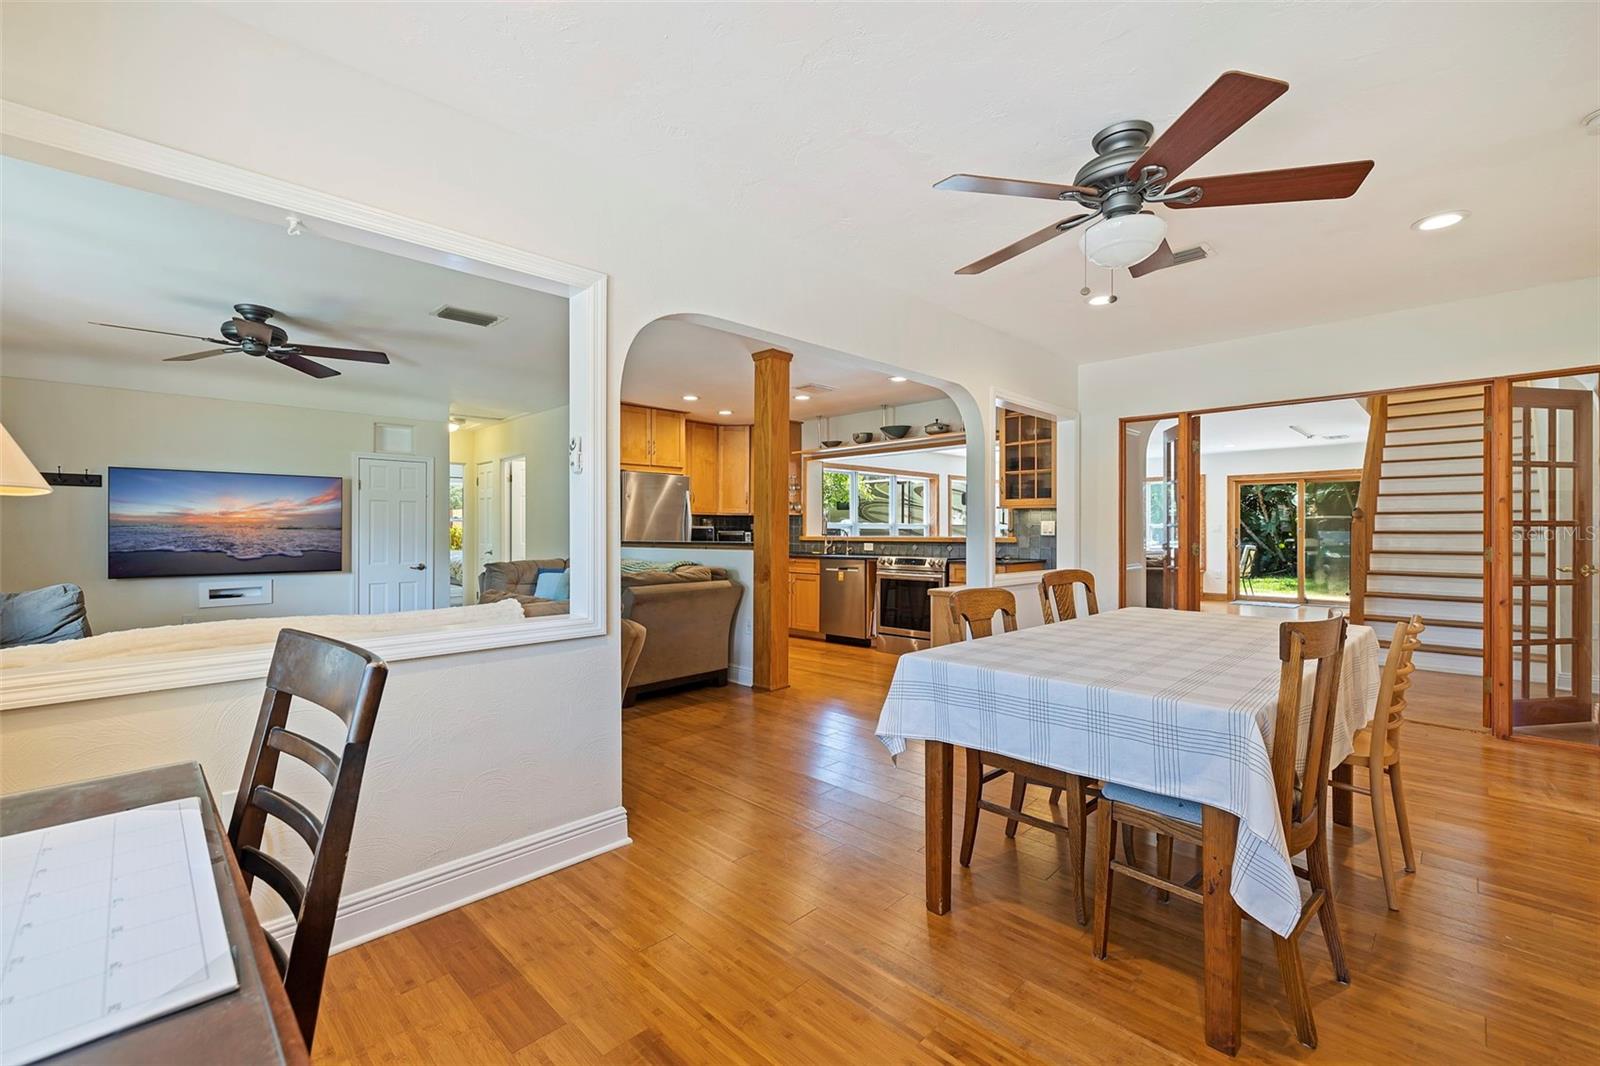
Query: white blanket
x=253, y=632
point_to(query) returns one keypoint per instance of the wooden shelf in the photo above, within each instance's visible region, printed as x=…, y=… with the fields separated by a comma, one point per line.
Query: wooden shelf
x=1027, y=460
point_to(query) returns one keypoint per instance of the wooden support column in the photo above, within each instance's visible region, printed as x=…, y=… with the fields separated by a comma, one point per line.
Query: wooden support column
x=1190, y=577
x=769, y=498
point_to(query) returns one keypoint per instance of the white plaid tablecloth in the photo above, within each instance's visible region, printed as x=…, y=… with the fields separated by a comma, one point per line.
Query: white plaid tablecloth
x=1176, y=702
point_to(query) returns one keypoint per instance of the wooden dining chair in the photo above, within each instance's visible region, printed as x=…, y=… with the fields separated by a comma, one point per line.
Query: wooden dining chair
x=348, y=681
x=1058, y=592
x=1301, y=809
x=972, y=614
x=1377, y=748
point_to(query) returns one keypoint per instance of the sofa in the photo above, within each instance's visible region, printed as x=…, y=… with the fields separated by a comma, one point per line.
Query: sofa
x=687, y=613
x=517, y=580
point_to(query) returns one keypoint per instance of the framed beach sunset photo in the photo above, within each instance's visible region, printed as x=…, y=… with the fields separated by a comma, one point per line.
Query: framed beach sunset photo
x=199, y=523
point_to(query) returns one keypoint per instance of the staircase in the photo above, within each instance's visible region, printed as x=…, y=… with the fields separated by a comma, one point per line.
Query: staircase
x=1421, y=522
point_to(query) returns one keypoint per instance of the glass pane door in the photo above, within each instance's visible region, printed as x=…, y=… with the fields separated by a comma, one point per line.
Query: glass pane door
x=1553, y=584
x=1325, y=539
x=1268, y=540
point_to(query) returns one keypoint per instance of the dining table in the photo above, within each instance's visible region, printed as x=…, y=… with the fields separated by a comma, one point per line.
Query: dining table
x=1181, y=703
x=253, y=1024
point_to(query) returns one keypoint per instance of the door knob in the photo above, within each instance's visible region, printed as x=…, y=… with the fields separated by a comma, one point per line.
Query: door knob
x=1583, y=571
x=419, y=566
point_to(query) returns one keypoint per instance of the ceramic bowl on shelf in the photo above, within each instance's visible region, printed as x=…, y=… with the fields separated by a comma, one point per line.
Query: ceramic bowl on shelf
x=933, y=429
x=895, y=432
x=863, y=437
x=832, y=443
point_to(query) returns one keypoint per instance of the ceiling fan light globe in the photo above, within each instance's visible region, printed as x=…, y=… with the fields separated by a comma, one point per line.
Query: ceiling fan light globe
x=1119, y=243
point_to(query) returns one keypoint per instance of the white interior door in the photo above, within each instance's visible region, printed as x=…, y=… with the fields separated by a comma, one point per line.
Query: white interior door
x=515, y=479
x=394, y=548
x=487, y=516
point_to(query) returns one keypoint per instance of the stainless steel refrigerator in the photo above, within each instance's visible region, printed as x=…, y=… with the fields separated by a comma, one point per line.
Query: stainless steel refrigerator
x=655, y=506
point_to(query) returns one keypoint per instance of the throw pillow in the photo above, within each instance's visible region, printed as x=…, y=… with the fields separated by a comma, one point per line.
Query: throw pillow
x=553, y=585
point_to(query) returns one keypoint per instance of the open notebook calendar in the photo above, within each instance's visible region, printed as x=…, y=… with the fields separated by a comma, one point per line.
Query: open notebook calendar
x=106, y=923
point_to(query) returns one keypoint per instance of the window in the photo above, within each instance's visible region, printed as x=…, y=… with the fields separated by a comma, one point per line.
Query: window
x=1158, y=516
x=458, y=492
x=958, y=511
x=868, y=503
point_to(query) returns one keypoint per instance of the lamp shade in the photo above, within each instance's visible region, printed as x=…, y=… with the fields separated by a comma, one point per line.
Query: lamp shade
x=18, y=477
x=1117, y=243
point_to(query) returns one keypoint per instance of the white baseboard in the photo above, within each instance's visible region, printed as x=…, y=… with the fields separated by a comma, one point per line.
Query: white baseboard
x=741, y=674
x=382, y=909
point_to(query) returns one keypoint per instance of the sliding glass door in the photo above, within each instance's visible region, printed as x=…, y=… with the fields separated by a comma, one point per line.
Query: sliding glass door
x=1291, y=535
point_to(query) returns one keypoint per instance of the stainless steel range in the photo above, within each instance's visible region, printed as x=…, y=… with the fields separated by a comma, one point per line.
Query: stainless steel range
x=905, y=611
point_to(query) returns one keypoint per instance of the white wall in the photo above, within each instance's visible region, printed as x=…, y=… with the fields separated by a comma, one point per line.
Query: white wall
x=62, y=536
x=1545, y=328
x=741, y=563
x=542, y=438
x=1217, y=467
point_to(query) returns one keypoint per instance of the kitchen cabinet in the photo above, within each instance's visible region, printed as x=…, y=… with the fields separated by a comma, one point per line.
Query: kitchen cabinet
x=733, y=469
x=652, y=438
x=957, y=573
x=805, y=596
x=718, y=465
x=1027, y=460
x=702, y=467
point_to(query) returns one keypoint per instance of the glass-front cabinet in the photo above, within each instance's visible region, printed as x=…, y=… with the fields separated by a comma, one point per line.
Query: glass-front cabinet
x=1027, y=460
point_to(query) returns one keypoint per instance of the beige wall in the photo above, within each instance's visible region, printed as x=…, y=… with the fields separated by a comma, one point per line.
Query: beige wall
x=62, y=536
x=542, y=439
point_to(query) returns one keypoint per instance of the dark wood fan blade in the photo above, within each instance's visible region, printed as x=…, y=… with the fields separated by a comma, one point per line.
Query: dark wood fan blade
x=192, y=356
x=1330, y=181
x=337, y=353
x=1233, y=99
x=164, y=333
x=302, y=364
x=1032, y=240
x=1159, y=259
x=1042, y=190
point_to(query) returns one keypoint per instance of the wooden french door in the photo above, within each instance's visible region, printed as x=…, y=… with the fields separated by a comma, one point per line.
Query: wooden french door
x=1160, y=523
x=1550, y=556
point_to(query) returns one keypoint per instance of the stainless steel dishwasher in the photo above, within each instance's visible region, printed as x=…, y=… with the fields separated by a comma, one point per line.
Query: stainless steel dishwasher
x=846, y=599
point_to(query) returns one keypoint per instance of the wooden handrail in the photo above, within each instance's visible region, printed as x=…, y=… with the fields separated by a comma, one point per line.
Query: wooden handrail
x=1366, y=510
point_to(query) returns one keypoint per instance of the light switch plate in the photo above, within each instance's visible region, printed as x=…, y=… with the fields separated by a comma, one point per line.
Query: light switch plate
x=867, y=546
x=1047, y=528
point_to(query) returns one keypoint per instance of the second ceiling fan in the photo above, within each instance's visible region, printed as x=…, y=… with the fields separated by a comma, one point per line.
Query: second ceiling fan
x=1131, y=171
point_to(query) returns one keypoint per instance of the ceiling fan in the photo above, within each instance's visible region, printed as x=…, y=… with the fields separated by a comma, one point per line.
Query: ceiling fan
x=1130, y=171
x=249, y=333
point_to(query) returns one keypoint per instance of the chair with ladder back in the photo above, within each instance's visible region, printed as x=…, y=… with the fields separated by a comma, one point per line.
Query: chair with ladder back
x=972, y=614
x=348, y=681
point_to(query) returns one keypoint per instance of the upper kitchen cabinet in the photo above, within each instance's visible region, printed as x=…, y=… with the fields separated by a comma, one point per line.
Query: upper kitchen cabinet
x=652, y=438
x=718, y=464
x=1027, y=460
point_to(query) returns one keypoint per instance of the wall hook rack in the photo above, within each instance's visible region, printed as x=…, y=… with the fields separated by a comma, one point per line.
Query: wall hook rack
x=84, y=480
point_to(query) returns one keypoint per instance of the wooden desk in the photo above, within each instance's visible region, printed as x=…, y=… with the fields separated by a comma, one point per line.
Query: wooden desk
x=252, y=1025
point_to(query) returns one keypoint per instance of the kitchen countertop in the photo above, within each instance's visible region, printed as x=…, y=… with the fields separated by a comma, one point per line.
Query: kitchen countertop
x=714, y=545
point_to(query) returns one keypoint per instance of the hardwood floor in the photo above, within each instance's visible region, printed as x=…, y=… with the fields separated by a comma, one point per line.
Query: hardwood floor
x=770, y=910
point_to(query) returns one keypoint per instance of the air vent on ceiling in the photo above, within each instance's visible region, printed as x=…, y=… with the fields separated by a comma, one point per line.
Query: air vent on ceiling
x=812, y=388
x=1191, y=255
x=471, y=318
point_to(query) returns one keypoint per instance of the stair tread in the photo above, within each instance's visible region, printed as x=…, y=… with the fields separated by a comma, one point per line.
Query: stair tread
x=1453, y=574
x=1414, y=477
x=1430, y=597
x=1433, y=443
x=1434, y=492
x=1425, y=429
x=1426, y=551
x=1466, y=510
x=1437, y=459
x=1427, y=532
x=1459, y=409
x=1442, y=623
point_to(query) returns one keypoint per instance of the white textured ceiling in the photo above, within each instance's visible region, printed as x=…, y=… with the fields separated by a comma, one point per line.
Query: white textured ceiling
x=828, y=124
x=75, y=249
x=1259, y=428
x=671, y=359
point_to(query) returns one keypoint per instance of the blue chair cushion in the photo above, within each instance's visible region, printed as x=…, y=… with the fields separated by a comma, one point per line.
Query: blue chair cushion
x=1166, y=806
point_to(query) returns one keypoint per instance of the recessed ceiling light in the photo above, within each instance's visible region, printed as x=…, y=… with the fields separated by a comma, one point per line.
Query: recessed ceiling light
x=1102, y=299
x=1443, y=220
x=689, y=397
x=724, y=412
x=802, y=397
x=897, y=379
